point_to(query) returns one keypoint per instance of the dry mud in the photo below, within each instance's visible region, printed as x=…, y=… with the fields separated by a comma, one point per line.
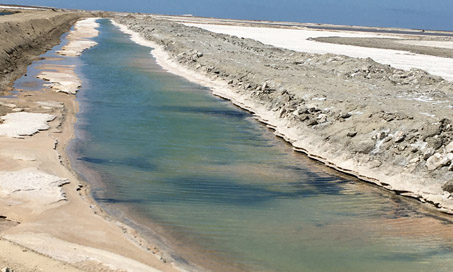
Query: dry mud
x=27, y=35
x=386, y=126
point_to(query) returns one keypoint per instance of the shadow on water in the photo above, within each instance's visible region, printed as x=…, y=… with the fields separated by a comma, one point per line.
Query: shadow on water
x=133, y=162
x=224, y=191
x=208, y=111
x=170, y=154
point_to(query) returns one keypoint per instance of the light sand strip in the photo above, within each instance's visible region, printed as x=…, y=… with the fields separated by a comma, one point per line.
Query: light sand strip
x=74, y=254
x=79, y=38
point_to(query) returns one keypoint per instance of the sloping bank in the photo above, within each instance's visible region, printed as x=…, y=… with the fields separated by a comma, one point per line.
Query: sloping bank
x=386, y=126
x=24, y=36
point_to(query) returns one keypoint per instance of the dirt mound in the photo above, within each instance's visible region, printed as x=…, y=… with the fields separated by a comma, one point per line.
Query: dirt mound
x=27, y=35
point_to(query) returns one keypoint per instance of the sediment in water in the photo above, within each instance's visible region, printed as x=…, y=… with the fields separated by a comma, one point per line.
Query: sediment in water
x=386, y=126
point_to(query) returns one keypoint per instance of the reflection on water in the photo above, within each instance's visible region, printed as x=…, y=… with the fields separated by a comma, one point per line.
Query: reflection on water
x=209, y=176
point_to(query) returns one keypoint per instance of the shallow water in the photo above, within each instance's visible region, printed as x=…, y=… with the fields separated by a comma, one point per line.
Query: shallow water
x=29, y=82
x=172, y=155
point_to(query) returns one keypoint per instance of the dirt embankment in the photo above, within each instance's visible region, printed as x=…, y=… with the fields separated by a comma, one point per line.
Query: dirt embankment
x=395, y=44
x=24, y=36
x=388, y=126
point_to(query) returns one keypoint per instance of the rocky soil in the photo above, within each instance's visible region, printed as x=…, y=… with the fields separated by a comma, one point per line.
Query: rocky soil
x=387, y=126
x=27, y=35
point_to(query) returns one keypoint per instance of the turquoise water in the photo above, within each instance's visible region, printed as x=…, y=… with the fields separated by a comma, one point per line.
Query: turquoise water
x=223, y=190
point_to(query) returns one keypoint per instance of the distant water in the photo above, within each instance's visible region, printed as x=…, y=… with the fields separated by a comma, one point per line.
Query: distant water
x=419, y=14
x=222, y=189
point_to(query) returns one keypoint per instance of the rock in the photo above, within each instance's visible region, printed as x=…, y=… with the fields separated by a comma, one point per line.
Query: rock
x=374, y=164
x=434, y=142
x=313, y=122
x=448, y=186
x=414, y=160
x=322, y=118
x=449, y=148
x=282, y=113
x=399, y=136
x=6, y=269
x=264, y=86
x=436, y=161
x=430, y=131
x=379, y=136
x=351, y=134
x=345, y=115
x=364, y=146
x=428, y=153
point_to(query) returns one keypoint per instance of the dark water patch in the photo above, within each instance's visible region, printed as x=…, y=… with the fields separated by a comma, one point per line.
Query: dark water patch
x=140, y=163
x=208, y=111
x=171, y=154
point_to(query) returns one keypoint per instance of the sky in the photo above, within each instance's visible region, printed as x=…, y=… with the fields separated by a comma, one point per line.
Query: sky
x=418, y=14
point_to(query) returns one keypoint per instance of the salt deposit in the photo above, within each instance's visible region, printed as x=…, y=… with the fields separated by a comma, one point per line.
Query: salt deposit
x=298, y=40
x=21, y=124
x=79, y=38
x=32, y=185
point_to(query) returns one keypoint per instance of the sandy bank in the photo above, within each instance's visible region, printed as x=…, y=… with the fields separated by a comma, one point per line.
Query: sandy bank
x=386, y=126
x=49, y=207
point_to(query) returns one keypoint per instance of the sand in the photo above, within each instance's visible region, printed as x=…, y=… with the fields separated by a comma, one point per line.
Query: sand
x=298, y=40
x=49, y=207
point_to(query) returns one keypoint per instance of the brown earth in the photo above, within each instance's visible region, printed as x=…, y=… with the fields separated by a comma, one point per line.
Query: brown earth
x=26, y=35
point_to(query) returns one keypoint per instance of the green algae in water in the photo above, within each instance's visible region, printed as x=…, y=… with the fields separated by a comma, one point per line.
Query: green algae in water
x=214, y=178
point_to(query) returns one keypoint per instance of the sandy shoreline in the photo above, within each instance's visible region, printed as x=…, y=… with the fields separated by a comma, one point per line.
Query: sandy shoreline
x=65, y=217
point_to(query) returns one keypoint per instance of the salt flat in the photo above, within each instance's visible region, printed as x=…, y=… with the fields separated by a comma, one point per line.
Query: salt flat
x=298, y=40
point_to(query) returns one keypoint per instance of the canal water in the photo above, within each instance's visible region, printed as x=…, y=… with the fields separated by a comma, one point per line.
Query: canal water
x=224, y=192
